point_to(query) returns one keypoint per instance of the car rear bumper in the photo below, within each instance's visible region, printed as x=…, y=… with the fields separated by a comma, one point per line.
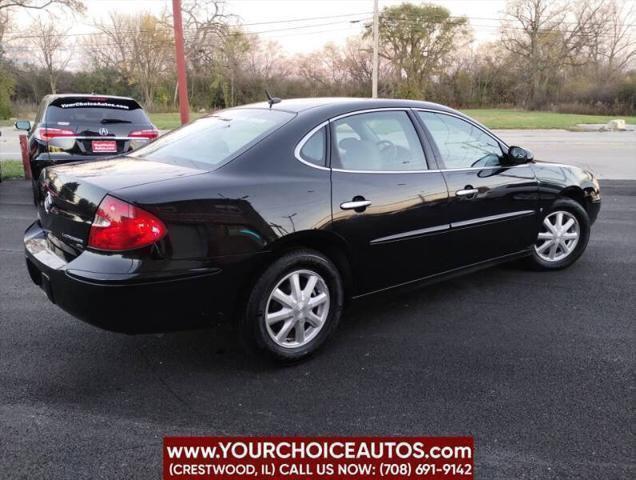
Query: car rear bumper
x=154, y=304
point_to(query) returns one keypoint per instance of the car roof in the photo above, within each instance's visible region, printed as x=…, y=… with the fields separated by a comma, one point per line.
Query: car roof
x=336, y=105
x=55, y=96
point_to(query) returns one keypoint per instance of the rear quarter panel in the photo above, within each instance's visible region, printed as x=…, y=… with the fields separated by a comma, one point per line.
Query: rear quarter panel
x=240, y=211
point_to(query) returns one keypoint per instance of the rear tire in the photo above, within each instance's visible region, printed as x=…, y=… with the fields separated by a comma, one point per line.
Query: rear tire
x=563, y=236
x=294, y=306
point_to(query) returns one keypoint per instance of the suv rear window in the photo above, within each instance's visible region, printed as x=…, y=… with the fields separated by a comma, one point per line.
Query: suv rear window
x=100, y=110
x=210, y=141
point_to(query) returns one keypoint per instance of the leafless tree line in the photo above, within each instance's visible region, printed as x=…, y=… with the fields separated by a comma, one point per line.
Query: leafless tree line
x=549, y=52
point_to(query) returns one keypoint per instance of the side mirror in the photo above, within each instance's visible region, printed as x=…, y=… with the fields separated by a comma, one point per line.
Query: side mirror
x=520, y=155
x=23, y=125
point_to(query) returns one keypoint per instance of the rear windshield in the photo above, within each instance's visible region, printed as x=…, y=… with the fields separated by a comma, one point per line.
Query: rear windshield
x=72, y=110
x=210, y=141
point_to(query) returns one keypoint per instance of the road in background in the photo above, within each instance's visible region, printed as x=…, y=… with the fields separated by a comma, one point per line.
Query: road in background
x=537, y=366
x=611, y=155
x=9, y=144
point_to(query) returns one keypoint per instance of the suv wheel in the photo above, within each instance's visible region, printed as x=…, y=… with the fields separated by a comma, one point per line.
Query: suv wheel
x=294, y=306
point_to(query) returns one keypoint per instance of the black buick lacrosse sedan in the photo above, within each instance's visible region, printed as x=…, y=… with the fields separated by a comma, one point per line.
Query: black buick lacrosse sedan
x=274, y=215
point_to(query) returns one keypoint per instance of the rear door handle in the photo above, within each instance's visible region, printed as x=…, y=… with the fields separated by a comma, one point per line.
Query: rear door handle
x=467, y=192
x=358, y=205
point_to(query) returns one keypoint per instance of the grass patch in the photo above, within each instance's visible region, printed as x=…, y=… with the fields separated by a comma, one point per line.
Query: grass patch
x=491, y=117
x=10, y=169
x=523, y=119
x=168, y=121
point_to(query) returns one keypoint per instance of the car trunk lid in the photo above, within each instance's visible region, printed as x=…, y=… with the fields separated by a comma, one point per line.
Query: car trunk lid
x=70, y=194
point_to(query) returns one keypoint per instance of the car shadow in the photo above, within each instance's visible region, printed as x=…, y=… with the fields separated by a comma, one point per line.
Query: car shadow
x=186, y=375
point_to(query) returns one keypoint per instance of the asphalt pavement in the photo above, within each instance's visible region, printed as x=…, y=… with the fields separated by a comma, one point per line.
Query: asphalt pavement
x=539, y=367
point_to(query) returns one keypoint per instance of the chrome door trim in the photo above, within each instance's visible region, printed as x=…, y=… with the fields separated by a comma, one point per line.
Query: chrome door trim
x=422, y=171
x=304, y=140
x=442, y=228
x=103, y=138
x=491, y=218
x=109, y=138
x=306, y=137
x=410, y=234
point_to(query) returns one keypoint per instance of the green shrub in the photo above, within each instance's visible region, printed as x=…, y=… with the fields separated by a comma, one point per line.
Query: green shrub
x=7, y=85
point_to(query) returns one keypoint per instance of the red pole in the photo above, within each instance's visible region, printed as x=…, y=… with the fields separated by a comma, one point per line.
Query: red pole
x=182, y=81
x=25, y=157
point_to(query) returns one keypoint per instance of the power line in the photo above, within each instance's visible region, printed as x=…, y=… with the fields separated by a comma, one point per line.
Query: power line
x=344, y=19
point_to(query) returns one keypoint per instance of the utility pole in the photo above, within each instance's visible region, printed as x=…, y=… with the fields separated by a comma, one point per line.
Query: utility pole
x=376, y=42
x=182, y=81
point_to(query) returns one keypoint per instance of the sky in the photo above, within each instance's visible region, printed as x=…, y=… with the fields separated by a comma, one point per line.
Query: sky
x=300, y=26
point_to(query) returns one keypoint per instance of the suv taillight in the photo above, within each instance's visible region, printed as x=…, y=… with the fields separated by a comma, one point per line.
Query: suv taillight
x=150, y=133
x=46, y=133
x=120, y=226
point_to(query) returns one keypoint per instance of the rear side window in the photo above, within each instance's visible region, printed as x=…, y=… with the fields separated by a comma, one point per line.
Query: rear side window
x=315, y=148
x=210, y=141
x=94, y=110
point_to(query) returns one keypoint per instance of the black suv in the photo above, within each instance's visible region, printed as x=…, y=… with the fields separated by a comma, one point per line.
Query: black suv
x=77, y=127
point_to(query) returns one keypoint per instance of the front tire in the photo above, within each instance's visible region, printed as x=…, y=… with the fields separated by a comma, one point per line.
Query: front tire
x=563, y=236
x=293, y=307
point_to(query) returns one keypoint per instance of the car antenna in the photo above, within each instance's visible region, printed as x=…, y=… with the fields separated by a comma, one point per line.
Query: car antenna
x=272, y=100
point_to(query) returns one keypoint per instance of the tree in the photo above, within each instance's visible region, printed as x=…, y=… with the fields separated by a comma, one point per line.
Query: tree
x=323, y=70
x=7, y=85
x=4, y=27
x=77, y=5
x=204, y=26
x=231, y=57
x=140, y=47
x=51, y=51
x=6, y=80
x=418, y=40
x=612, y=44
x=546, y=36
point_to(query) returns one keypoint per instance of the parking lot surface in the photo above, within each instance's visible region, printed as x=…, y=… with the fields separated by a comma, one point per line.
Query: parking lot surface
x=539, y=367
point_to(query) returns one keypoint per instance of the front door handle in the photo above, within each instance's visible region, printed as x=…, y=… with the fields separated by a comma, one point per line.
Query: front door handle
x=357, y=205
x=467, y=192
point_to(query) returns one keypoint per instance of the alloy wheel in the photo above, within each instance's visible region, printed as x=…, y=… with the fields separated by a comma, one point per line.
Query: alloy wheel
x=297, y=309
x=559, y=236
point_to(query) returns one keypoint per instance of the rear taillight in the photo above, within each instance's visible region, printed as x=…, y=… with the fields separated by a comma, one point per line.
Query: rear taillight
x=45, y=133
x=150, y=133
x=121, y=226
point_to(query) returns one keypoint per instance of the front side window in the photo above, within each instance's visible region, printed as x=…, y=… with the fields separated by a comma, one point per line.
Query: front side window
x=377, y=141
x=460, y=143
x=210, y=141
